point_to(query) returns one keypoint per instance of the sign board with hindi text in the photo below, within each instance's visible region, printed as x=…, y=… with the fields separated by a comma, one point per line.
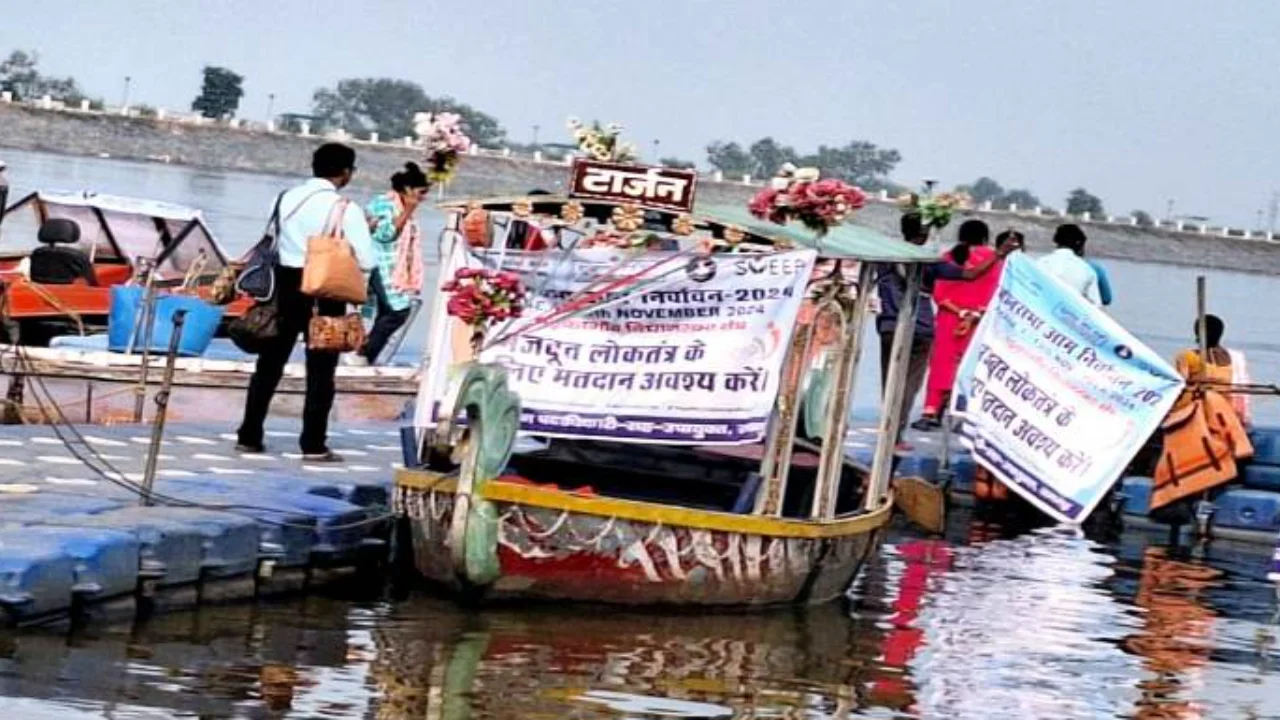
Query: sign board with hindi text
x=693, y=356
x=659, y=187
x=1054, y=396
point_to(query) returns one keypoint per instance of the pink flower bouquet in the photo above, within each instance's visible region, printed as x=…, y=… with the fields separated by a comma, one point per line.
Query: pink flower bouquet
x=444, y=140
x=481, y=297
x=818, y=204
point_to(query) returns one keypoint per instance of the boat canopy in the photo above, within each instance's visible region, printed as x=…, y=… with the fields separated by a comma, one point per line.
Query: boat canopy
x=846, y=241
x=119, y=230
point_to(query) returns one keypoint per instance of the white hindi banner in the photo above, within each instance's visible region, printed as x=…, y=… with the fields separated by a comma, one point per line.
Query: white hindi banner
x=695, y=357
x=1054, y=396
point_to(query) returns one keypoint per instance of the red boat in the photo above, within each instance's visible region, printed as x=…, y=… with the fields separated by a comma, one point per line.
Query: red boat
x=60, y=254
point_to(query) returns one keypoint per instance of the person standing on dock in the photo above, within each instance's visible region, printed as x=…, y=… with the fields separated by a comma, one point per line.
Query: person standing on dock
x=891, y=284
x=1067, y=263
x=304, y=213
x=397, y=241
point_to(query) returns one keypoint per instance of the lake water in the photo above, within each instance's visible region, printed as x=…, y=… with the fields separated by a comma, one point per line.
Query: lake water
x=1156, y=302
x=975, y=625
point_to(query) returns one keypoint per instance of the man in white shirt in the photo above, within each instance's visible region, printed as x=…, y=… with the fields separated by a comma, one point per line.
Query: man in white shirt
x=305, y=212
x=1067, y=263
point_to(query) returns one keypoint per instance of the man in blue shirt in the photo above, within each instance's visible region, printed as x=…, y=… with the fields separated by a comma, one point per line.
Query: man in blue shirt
x=891, y=284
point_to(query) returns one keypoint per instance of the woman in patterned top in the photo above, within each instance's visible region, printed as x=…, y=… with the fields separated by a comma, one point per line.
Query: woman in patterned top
x=397, y=241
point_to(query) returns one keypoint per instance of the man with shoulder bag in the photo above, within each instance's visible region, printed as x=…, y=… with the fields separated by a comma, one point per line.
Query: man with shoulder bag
x=317, y=261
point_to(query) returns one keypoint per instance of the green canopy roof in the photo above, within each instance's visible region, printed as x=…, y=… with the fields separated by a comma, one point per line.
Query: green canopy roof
x=844, y=241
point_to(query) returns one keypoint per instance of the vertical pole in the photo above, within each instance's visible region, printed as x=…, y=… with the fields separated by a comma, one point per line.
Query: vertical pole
x=148, y=320
x=1202, y=331
x=831, y=463
x=895, y=388
x=162, y=407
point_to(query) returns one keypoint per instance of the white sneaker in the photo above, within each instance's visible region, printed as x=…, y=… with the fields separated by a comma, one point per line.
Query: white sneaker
x=354, y=360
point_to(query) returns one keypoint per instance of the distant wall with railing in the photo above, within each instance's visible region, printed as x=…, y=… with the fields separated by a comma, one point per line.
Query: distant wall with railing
x=160, y=135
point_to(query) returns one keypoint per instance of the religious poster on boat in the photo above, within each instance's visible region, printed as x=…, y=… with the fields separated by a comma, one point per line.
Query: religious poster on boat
x=665, y=347
x=1054, y=397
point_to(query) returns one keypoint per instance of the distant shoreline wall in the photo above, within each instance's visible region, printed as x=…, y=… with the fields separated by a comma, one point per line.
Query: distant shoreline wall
x=219, y=147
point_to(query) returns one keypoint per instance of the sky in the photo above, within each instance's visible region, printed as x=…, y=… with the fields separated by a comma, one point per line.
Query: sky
x=1142, y=102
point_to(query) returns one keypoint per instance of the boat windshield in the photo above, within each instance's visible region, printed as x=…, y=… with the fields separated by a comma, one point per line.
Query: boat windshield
x=119, y=230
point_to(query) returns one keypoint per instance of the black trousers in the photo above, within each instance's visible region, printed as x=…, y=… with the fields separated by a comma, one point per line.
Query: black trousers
x=295, y=312
x=385, y=323
x=917, y=369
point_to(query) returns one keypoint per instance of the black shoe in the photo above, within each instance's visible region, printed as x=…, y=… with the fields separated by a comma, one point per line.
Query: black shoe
x=926, y=424
x=328, y=456
x=247, y=449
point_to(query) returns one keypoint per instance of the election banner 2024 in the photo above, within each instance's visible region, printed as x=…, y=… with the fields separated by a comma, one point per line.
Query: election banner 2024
x=1054, y=397
x=694, y=357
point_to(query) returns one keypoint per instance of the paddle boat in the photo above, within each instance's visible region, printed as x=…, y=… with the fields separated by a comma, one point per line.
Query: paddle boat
x=73, y=274
x=532, y=470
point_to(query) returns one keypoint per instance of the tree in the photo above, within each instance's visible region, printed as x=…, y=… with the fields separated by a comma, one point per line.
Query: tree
x=387, y=106
x=18, y=75
x=673, y=162
x=1024, y=199
x=220, y=95
x=983, y=189
x=859, y=162
x=729, y=158
x=1143, y=218
x=1080, y=201
x=767, y=157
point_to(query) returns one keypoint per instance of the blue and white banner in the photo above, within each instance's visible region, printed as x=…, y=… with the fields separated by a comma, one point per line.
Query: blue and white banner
x=1054, y=396
x=694, y=357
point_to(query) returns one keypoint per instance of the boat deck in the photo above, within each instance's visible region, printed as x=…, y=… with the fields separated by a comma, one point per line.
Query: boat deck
x=72, y=538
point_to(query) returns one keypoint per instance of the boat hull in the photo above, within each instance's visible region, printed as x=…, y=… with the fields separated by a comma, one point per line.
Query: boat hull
x=602, y=550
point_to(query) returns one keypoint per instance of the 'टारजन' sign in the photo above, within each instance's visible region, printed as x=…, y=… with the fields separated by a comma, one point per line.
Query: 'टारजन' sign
x=1054, y=396
x=695, y=357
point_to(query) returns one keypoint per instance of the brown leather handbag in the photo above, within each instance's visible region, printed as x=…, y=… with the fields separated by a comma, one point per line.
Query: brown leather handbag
x=330, y=270
x=336, y=334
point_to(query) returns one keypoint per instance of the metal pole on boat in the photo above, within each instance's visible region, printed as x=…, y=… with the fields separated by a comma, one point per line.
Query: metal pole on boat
x=894, y=389
x=1204, y=508
x=162, y=407
x=148, y=319
x=831, y=463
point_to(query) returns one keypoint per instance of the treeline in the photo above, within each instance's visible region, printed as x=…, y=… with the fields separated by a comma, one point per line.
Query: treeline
x=859, y=162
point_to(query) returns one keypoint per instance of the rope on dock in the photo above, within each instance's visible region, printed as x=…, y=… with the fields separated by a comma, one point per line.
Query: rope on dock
x=58, y=422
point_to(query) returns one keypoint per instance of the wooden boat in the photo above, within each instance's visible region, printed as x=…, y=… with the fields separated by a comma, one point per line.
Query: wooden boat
x=752, y=525
x=119, y=238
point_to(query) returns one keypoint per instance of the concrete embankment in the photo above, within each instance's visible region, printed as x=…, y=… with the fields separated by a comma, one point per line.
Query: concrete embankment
x=224, y=148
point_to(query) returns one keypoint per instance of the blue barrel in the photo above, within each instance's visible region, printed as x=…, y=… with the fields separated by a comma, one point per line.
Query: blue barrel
x=197, y=331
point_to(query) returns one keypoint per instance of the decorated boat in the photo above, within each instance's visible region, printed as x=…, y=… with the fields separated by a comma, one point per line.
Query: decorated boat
x=658, y=415
x=73, y=265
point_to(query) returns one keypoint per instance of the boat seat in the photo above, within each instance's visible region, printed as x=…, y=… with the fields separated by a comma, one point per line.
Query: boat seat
x=54, y=263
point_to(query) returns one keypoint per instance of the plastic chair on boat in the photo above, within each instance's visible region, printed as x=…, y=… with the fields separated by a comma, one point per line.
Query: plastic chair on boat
x=55, y=262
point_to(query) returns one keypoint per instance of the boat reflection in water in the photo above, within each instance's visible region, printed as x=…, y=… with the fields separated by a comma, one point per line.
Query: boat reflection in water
x=1026, y=627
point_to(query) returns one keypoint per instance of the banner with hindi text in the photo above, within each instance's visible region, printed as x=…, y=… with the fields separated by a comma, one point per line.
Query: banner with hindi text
x=691, y=353
x=1054, y=397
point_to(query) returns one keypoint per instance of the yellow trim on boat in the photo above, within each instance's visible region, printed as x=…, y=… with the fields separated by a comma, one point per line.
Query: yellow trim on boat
x=654, y=513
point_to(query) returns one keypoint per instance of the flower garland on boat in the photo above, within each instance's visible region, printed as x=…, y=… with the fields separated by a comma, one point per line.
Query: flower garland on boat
x=481, y=297
x=601, y=143
x=935, y=211
x=444, y=140
x=799, y=194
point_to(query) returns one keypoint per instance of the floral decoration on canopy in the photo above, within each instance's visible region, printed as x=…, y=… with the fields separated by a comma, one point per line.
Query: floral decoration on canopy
x=572, y=211
x=602, y=142
x=800, y=194
x=627, y=218
x=444, y=140
x=935, y=211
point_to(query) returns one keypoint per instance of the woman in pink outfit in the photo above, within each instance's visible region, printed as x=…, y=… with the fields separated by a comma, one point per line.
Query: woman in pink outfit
x=960, y=307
